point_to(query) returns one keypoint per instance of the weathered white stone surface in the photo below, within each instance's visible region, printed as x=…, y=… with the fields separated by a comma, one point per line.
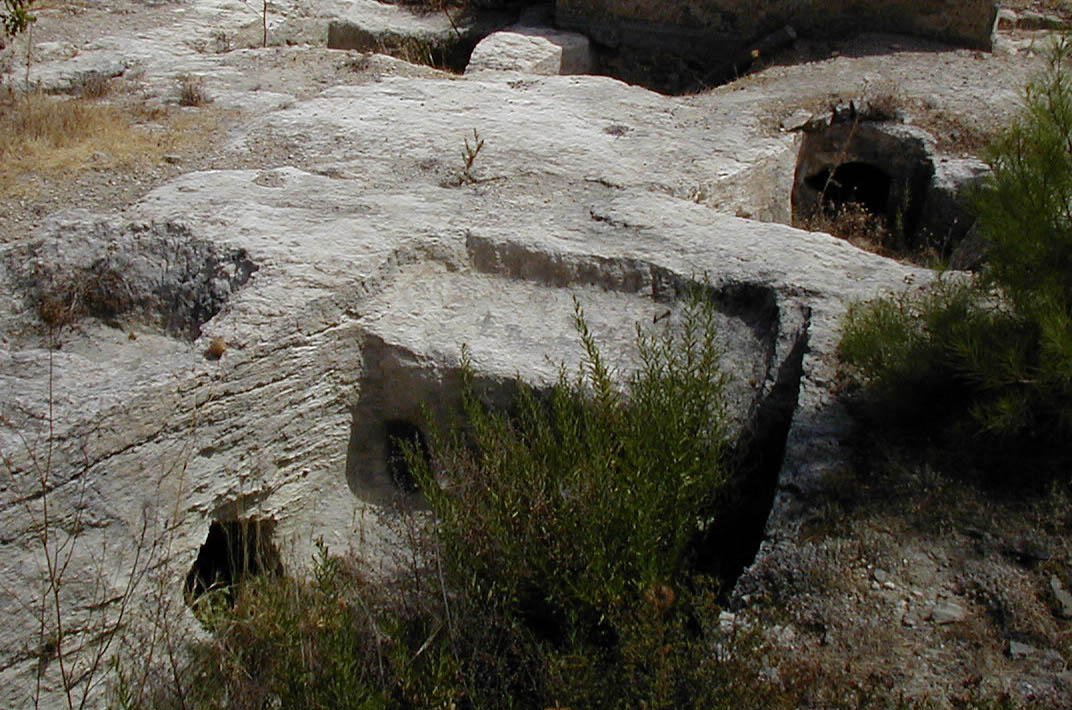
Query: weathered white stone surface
x=539, y=132
x=362, y=297
x=533, y=51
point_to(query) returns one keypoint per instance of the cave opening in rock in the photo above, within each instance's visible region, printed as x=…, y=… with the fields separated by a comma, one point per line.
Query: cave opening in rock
x=233, y=551
x=400, y=435
x=866, y=181
x=856, y=182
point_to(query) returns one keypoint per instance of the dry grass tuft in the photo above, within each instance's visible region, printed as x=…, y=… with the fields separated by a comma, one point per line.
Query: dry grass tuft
x=855, y=224
x=192, y=91
x=94, y=85
x=101, y=292
x=46, y=138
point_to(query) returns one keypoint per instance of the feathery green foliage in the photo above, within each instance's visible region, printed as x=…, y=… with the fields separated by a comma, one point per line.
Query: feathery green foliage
x=557, y=573
x=284, y=643
x=994, y=354
x=1025, y=209
x=558, y=565
x=15, y=16
x=590, y=495
x=574, y=514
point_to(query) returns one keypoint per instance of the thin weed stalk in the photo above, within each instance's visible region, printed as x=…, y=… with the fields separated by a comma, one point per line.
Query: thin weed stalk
x=81, y=645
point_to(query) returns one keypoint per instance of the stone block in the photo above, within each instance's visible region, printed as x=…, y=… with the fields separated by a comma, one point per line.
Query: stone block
x=533, y=51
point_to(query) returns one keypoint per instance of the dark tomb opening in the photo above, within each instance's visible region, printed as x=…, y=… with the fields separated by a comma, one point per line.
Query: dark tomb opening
x=233, y=551
x=858, y=183
x=400, y=435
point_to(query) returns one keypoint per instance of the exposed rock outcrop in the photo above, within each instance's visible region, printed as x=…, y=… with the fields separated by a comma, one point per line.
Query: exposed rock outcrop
x=341, y=277
x=368, y=280
x=721, y=28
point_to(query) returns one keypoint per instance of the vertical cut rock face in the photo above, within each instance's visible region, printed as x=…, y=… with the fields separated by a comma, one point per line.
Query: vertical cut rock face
x=722, y=28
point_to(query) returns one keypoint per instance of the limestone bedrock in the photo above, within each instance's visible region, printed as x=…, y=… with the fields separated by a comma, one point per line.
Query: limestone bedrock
x=344, y=292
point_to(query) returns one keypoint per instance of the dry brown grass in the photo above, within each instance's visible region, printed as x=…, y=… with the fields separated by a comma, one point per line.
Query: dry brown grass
x=94, y=85
x=192, y=91
x=855, y=224
x=45, y=138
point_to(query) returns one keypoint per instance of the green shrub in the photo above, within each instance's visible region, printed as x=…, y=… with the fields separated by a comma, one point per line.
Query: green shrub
x=1025, y=209
x=557, y=572
x=293, y=644
x=587, y=496
x=573, y=515
x=995, y=354
x=902, y=343
x=15, y=17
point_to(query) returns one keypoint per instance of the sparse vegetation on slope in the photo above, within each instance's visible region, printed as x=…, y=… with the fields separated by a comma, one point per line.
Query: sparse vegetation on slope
x=45, y=138
x=993, y=356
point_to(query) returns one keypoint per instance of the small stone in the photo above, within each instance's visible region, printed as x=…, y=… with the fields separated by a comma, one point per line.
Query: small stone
x=533, y=51
x=172, y=159
x=880, y=575
x=1021, y=650
x=947, y=612
x=799, y=119
x=1064, y=599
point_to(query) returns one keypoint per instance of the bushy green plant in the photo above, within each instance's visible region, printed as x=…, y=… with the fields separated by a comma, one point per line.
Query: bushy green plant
x=1025, y=208
x=576, y=511
x=293, y=644
x=995, y=352
x=557, y=573
x=589, y=495
x=15, y=17
x=559, y=562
